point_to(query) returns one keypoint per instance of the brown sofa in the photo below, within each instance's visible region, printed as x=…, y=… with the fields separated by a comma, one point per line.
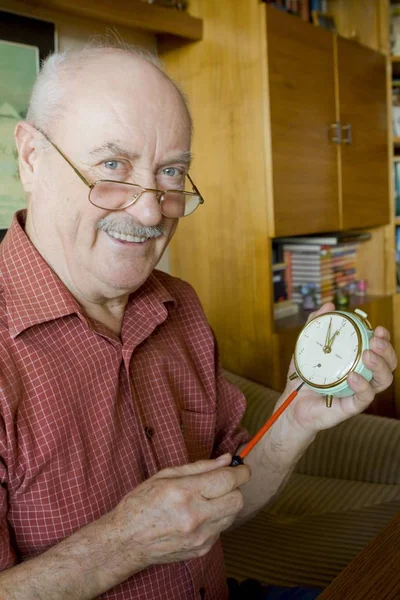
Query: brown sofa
x=342, y=493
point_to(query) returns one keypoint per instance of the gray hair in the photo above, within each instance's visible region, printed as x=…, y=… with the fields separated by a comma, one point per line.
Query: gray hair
x=47, y=102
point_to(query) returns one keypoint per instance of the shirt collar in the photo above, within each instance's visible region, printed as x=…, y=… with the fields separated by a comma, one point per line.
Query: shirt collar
x=33, y=292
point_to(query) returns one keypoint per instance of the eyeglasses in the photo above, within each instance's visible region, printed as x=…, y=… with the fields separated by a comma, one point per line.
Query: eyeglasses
x=118, y=195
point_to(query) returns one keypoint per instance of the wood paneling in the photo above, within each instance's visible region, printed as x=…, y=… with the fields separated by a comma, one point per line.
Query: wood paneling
x=302, y=107
x=223, y=249
x=363, y=105
x=132, y=14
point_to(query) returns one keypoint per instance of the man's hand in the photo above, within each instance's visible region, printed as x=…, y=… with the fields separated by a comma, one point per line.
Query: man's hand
x=179, y=513
x=309, y=413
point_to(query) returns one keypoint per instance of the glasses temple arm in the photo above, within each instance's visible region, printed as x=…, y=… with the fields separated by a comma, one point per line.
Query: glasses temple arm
x=61, y=153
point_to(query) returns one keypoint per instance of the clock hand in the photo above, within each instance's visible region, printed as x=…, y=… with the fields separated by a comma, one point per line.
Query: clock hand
x=332, y=338
x=328, y=334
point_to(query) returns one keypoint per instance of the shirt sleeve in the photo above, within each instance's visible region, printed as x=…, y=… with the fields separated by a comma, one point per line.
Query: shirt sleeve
x=8, y=394
x=231, y=405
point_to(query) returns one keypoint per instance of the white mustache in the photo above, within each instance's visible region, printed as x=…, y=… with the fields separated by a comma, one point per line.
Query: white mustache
x=128, y=226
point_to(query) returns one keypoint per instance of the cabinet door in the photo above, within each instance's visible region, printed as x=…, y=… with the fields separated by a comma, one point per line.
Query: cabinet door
x=302, y=107
x=362, y=101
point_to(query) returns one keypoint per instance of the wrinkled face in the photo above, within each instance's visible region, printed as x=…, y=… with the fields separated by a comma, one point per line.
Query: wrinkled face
x=125, y=122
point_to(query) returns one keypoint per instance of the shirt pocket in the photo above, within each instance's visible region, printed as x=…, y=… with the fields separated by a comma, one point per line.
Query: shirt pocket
x=198, y=429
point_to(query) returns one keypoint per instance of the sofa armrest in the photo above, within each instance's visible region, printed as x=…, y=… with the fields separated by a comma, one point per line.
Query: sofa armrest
x=363, y=448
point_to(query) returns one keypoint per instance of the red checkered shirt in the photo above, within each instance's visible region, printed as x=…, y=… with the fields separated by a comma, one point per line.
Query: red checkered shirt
x=86, y=416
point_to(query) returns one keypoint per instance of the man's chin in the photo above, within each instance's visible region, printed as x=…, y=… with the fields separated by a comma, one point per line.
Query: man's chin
x=126, y=284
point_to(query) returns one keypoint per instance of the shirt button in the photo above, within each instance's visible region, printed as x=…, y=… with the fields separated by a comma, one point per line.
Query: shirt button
x=202, y=592
x=149, y=432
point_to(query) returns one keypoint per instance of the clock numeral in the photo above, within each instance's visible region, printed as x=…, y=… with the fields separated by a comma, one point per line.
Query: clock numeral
x=344, y=322
x=301, y=351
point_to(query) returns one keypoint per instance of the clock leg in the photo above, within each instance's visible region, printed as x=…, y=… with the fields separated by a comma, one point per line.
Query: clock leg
x=328, y=400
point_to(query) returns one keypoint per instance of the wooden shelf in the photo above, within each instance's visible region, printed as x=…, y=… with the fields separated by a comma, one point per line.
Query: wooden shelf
x=296, y=322
x=396, y=142
x=130, y=13
x=397, y=220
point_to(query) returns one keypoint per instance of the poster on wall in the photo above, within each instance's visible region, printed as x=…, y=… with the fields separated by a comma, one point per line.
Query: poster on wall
x=24, y=42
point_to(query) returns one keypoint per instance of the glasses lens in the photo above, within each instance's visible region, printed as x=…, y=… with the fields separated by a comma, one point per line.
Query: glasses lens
x=178, y=204
x=113, y=195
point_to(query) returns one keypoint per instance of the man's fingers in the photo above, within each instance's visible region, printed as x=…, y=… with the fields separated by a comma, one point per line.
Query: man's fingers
x=200, y=466
x=222, y=482
x=381, y=371
x=382, y=347
x=363, y=392
x=225, y=506
x=382, y=332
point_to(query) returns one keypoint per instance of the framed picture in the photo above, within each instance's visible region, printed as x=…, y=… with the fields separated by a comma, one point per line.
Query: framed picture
x=323, y=20
x=24, y=42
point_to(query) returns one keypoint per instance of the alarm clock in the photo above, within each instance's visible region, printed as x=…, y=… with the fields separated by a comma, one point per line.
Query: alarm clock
x=330, y=347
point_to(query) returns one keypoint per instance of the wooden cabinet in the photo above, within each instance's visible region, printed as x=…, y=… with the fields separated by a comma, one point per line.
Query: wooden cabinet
x=301, y=81
x=317, y=80
x=361, y=76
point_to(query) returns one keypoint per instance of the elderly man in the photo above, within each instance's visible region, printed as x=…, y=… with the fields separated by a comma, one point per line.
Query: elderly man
x=117, y=427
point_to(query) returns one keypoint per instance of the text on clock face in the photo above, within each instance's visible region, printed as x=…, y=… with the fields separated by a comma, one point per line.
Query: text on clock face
x=327, y=349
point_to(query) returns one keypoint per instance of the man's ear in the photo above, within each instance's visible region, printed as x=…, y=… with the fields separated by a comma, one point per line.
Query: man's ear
x=25, y=139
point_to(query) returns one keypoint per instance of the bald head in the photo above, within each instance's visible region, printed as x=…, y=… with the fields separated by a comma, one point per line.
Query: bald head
x=63, y=74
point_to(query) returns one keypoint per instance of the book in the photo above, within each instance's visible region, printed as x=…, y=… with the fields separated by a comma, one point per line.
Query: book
x=327, y=239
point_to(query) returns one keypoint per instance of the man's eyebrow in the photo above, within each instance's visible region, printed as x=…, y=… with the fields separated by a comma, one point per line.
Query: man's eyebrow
x=110, y=147
x=185, y=157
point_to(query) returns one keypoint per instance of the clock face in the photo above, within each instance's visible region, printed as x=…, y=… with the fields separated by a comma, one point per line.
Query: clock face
x=327, y=349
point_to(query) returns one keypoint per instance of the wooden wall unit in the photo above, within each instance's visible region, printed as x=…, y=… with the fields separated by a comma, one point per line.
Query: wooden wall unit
x=263, y=90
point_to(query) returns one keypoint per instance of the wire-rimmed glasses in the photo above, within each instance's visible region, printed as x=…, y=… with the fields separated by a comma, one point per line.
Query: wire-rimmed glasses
x=118, y=195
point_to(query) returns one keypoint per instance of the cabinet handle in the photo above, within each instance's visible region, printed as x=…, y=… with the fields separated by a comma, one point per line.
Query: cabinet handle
x=336, y=136
x=348, y=138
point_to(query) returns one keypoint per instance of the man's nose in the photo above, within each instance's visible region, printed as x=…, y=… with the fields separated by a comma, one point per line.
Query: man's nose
x=146, y=208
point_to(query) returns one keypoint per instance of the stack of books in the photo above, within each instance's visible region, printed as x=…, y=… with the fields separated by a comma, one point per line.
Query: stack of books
x=309, y=265
x=325, y=263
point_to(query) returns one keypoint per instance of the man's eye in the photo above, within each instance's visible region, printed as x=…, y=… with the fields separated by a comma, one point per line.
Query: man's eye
x=171, y=172
x=112, y=164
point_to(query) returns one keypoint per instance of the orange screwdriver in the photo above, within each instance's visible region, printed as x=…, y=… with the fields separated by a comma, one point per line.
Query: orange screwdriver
x=238, y=459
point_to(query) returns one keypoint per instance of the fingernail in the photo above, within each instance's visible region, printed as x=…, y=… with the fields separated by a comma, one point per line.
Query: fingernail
x=355, y=378
x=223, y=458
